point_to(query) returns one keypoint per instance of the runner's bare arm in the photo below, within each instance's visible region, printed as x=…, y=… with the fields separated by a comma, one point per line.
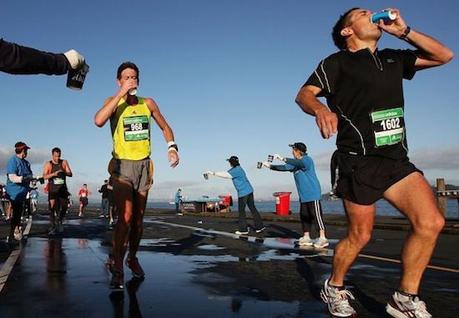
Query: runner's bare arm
x=111, y=103
x=430, y=52
x=66, y=166
x=167, y=131
x=47, y=174
x=106, y=111
x=160, y=120
x=326, y=120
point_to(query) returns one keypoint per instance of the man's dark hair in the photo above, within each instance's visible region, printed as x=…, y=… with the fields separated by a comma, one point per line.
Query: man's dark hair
x=56, y=149
x=126, y=65
x=338, y=39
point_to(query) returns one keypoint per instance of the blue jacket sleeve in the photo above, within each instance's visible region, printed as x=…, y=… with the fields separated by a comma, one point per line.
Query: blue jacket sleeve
x=297, y=163
x=285, y=167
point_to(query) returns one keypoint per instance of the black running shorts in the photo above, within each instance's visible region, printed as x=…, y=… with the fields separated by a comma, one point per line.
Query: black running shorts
x=84, y=201
x=61, y=193
x=364, y=179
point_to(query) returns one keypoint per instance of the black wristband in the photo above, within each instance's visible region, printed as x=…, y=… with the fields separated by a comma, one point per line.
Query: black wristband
x=173, y=146
x=405, y=33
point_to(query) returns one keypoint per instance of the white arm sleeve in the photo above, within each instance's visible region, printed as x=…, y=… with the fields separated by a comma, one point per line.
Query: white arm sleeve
x=223, y=174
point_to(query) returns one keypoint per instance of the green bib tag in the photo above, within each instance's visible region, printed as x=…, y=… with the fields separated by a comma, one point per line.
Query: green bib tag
x=136, y=128
x=58, y=181
x=388, y=126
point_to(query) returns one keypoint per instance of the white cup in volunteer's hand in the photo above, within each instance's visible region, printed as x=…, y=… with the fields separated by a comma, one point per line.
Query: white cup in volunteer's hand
x=132, y=91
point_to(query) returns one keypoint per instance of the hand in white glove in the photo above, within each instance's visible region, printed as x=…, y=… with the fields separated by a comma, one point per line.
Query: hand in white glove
x=76, y=60
x=266, y=164
x=278, y=157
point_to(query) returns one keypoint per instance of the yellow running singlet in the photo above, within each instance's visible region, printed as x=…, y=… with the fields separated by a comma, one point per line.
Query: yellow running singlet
x=131, y=130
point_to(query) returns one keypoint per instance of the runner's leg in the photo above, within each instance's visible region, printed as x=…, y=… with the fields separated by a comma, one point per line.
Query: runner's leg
x=135, y=234
x=124, y=197
x=360, y=226
x=52, y=212
x=413, y=197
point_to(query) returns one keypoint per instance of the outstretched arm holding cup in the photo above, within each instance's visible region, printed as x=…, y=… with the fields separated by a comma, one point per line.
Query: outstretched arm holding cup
x=18, y=59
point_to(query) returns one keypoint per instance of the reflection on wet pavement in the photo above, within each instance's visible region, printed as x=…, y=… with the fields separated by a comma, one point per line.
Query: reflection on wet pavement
x=190, y=272
x=66, y=277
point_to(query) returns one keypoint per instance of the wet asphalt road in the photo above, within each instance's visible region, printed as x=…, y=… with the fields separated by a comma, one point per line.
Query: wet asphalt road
x=195, y=267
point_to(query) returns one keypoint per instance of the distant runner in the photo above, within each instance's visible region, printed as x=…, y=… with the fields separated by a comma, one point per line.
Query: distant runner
x=104, y=205
x=56, y=171
x=83, y=195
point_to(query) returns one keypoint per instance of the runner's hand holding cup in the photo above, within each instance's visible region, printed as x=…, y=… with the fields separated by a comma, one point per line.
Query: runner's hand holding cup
x=127, y=86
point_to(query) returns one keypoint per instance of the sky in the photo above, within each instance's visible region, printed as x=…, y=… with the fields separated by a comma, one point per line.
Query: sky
x=224, y=74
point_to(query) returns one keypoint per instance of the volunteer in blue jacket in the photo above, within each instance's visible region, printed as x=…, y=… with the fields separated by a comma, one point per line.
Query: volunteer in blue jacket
x=244, y=192
x=18, y=175
x=178, y=201
x=308, y=187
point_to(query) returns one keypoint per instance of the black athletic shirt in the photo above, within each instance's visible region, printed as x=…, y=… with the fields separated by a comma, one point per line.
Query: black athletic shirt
x=59, y=182
x=359, y=84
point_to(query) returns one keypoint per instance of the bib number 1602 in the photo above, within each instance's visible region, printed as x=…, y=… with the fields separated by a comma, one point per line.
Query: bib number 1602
x=389, y=124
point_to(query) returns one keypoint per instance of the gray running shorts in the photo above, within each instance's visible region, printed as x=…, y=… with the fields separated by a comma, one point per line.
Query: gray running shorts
x=139, y=173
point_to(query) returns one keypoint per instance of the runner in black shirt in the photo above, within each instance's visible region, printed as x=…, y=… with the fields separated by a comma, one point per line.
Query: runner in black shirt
x=56, y=171
x=363, y=88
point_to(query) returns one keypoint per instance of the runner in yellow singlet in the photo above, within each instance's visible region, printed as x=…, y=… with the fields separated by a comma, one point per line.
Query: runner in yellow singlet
x=131, y=167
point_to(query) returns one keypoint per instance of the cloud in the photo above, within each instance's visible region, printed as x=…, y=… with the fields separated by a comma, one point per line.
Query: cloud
x=322, y=161
x=438, y=159
x=35, y=156
x=174, y=185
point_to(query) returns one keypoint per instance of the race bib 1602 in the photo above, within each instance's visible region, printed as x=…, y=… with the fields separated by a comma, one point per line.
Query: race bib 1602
x=388, y=126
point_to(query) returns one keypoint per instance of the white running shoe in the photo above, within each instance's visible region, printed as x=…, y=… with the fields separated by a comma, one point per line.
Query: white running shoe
x=260, y=229
x=18, y=233
x=305, y=241
x=241, y=232
x=402, y=306
x=337, y=300
x=321, y=242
